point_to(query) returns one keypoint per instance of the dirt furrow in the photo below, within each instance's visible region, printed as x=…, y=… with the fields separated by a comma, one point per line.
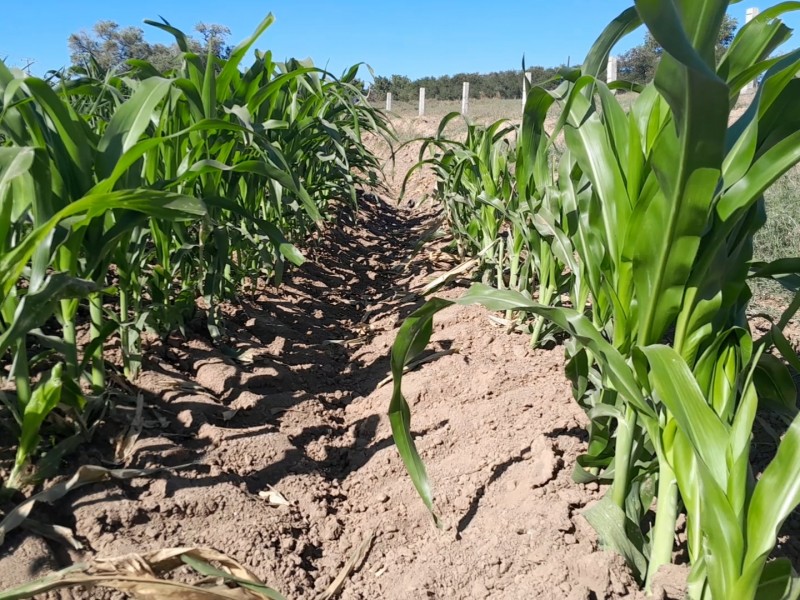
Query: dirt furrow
x=299, y=411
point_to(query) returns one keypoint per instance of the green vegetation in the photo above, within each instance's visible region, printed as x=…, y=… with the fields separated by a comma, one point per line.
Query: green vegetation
x=639, y=64
x=126, y=200
x=502, y=84
x=109, y=47
x=639, y=232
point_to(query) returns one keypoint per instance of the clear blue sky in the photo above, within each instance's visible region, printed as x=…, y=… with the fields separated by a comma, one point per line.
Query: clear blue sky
x=407, y=37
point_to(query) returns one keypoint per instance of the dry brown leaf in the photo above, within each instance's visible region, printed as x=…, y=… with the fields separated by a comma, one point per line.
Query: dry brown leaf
x=57, y=533
x=445, y=278
x=351, y=565
x=274, y=497
x=83, y=476
x=138, y=575
x=126, y=444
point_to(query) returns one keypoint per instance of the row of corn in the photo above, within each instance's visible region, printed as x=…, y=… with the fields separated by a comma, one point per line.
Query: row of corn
x=631, y=231
x=124, y=199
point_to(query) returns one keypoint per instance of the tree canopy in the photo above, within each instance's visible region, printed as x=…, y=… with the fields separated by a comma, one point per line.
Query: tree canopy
x=499, y=84
x=110, y=45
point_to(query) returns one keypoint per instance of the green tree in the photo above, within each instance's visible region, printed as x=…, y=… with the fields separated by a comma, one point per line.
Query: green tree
x=110, y=46
x=500, y=84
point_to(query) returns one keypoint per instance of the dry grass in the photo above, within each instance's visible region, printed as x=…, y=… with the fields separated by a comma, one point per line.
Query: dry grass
x=779, y=238
x=484, y=111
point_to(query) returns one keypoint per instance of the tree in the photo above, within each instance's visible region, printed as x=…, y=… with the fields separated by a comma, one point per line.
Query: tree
x=110, y=46
x=214, y=39
x=638, y=64
x=500, y=84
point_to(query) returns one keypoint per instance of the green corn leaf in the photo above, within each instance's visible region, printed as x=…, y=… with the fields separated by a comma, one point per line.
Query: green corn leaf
x=786, y=271
x=627, y=22
x=72, y=137
x=755, y=42
x=208, y=570
x=687, y=160
x=607, y=519
x=779, y=581
x=677, y=388
x=783, y=346
x=129, y=123
x=44, y=399
x=162, y=205
x=36, y=307
x=775, y=496
x=287, y=250
x=576, y=324
x=14, y=162
x=231, y=68
x=775, y=385
x=411, y=340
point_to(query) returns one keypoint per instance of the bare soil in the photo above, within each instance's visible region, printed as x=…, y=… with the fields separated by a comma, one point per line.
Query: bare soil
x=303, y=413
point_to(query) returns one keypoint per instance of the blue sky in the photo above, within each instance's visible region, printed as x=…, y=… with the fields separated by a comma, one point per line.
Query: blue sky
x=407, y=37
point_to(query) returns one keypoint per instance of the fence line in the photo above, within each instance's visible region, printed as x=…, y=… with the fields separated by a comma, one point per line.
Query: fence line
x=612, y=75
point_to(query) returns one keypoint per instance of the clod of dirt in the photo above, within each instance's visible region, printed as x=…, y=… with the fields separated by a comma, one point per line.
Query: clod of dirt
x=604, y=574
x=216, y=376
x=545, y=461
x=670, y=582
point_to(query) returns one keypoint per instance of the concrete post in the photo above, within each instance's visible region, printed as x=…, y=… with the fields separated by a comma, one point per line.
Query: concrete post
x=465, y=99
x=612, y=72
x=751, y=14
x=527, y=81
x=422, y=102
x=388, y=101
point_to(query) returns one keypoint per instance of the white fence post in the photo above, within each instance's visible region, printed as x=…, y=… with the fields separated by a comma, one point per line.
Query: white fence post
x=751, y=14
x=465, y=99
x=388, y=101
x=527, y=81
x=612, y=72
x=422, y=102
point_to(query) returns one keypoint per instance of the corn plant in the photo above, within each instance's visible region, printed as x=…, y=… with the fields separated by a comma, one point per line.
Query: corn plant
x=490, y=190
x=474, y=180
x=661, y=205
x=128, y=198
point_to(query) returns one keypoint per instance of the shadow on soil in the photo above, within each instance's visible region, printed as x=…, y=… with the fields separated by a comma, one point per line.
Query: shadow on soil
x=308, y=337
